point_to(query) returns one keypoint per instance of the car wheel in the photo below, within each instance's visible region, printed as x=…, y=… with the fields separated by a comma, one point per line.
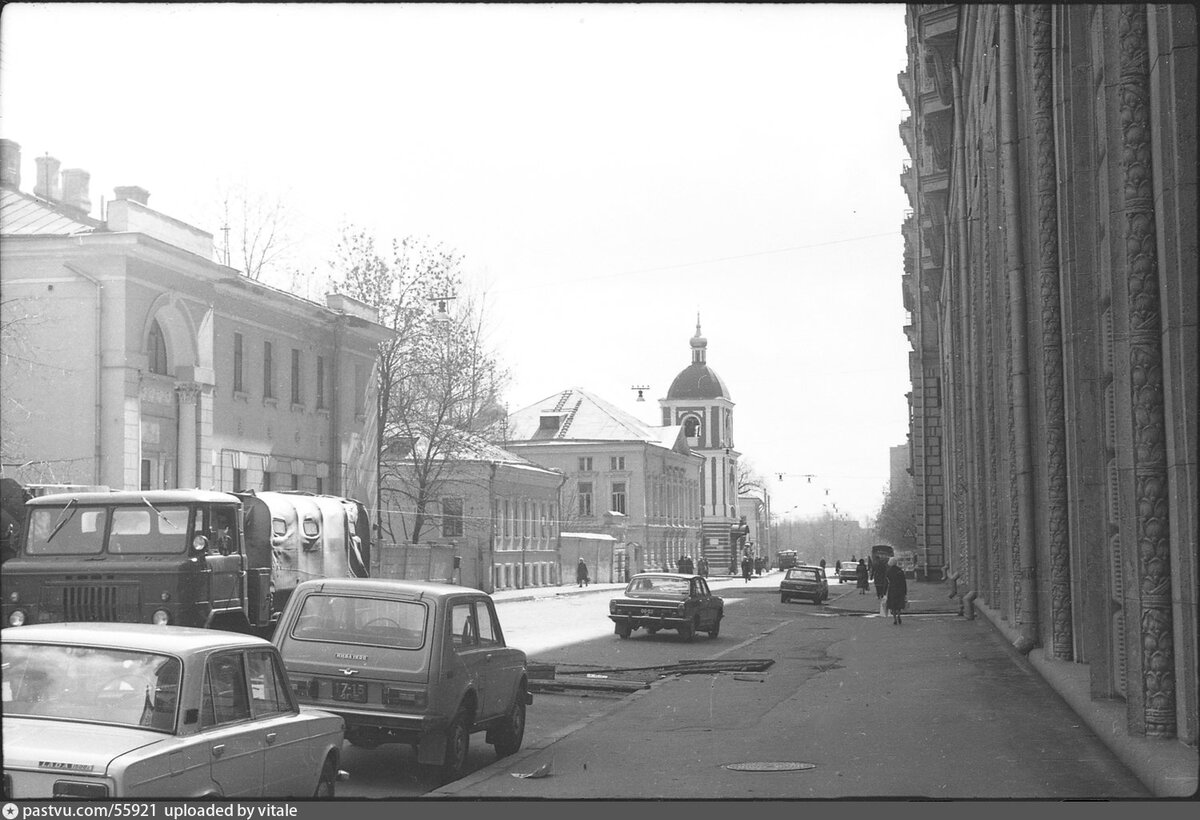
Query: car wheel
x=688, y=631
x=783, y=599
x=716, y=630
x=510, y=734
x=624, y=630
x=458, y=741
x=327, y=785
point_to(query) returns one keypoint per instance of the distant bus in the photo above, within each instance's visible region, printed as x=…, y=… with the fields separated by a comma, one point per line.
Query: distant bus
x=786, y=558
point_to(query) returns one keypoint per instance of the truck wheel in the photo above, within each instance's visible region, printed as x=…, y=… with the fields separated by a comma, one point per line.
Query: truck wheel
x=624, y=630
x=510, y=734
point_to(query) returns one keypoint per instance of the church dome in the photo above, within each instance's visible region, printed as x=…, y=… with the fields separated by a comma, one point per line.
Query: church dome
x=698, y=380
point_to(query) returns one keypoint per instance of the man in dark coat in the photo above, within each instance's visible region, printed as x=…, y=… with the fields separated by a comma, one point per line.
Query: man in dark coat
x=897, y=589
x=581, y=573
x=863, y=582
x=747, y=568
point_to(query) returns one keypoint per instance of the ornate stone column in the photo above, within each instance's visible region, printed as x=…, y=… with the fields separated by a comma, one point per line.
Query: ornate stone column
x=1054, y=422
x=187, y=393
x=1152, y=508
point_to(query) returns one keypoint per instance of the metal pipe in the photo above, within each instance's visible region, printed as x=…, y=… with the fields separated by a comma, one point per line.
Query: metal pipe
x=1026, y=615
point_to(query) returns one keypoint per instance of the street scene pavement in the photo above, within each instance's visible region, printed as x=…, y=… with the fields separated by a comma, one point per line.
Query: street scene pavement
x=937, y=707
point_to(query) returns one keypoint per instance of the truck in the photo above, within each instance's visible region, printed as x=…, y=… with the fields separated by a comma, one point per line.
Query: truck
x=184, y=557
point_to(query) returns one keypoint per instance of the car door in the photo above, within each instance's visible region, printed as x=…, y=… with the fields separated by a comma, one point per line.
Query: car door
x=222, y=556
x=502, y=664
x=289, y=750
x=705, y=602
x=481, y=657
x=234, y=739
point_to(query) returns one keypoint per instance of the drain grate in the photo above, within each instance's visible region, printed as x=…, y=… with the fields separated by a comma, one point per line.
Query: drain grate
x=771, y=766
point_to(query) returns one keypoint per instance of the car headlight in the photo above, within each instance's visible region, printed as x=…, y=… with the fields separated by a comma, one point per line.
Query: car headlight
x=160, y=617
x=17, y=618
x=612, y=606
x=87, y=791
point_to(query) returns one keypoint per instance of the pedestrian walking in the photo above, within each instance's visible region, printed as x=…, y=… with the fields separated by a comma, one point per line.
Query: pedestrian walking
x=581, y=573
x=863, y=583
x=702, y=566
x=837, y=568
x=897, y=589
x=879, y=575
x=747, y=568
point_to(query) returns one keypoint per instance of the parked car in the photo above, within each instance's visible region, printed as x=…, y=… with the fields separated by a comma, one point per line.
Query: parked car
x=848, y=572
x=104, y=710
x=666, y=600
x=804, y=582
x=423, y=664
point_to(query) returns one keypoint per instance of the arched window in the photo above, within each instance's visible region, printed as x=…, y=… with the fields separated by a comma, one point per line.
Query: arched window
x=691, y=427
x=157, y=350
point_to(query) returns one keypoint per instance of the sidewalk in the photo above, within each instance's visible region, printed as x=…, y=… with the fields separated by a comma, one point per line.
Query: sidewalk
x=941, y=707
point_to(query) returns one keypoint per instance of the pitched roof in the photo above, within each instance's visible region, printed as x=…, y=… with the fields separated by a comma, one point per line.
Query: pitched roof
x=467, y=447
x=25, y=215
x=580, y=416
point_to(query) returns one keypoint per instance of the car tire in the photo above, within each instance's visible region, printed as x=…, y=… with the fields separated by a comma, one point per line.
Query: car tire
x=458, y=743
x=510, y=734
x=688, y=631
x=716, y=630
x=327, y=784
x=624, y=631
x=783, y=599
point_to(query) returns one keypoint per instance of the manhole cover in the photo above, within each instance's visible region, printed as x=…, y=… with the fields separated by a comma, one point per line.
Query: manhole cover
x=771, y=766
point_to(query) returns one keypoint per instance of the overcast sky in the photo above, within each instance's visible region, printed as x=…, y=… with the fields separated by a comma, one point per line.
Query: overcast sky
x=608, y=172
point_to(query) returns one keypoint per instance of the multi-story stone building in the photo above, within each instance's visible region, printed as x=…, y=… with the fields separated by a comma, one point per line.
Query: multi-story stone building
x=638, y=483
x=1050, y=271
x=699, y=402
x=133, y=360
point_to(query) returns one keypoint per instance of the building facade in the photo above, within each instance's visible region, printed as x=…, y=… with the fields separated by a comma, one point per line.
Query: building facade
x=1050, y=271
x=133, y=360
x=699, y=402
x=494, y=511
x=638, y=483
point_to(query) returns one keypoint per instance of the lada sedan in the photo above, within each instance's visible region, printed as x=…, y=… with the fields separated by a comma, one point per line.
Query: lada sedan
x=804, y=582
x=102, y=710
x=422, y=664
x=667, y=600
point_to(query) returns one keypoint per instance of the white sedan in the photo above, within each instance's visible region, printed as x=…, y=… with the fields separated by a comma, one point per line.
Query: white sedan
x=133, y=710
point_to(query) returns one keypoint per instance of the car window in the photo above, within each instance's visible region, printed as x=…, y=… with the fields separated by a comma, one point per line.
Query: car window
x=703, y=587
x=224, y=699
x=268, y=689
x=99, y=684
x=671, y=586
x=464, y=630
x=489, y=629
x=361, y=620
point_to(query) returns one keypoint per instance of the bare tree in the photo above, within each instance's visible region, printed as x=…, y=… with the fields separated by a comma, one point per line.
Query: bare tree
x=749, y=482
x=439, y=382
x=257, y=232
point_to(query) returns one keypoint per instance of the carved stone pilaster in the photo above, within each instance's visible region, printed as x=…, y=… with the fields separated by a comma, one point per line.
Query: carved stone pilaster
x=1152, y=506
x=1054, y=423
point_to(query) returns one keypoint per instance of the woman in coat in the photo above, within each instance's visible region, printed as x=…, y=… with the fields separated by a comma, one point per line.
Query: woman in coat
x=863, y=583
x=879, y=576
x=897, y=589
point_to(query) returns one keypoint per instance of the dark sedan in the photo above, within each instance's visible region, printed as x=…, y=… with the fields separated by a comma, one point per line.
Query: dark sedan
x=664, y=600
x=804, y=582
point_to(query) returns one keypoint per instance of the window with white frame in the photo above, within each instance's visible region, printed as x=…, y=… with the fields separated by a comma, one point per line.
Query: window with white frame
x=585, y=464
x=585, y=498
x=452, y=517
x=618, y=497
x=616, y=462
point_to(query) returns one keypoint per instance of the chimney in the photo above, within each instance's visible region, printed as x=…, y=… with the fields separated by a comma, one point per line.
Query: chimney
x=10, y=165
x=75, y=190
x=132, y=192
x=47, y=178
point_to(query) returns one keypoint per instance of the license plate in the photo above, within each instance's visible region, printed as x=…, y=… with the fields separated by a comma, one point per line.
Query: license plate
x=646, y=612
x=344, y=690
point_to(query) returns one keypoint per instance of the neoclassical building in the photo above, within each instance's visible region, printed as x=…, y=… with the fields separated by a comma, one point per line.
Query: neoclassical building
x=1050, y=272
x=699, y=402
x=134, y=360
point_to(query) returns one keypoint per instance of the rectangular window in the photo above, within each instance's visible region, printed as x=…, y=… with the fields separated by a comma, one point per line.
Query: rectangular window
x=266, y=482
x=585, y=498
x=296, y=393
x=145, y=474
x=320, y=486
x=295, y=481
x=507, y=531
x=268, y=376
x=452, y=517
x=616, y=463
x=321, y=381
x=238, y=385
x=618, y=496
x=585, y=464
x=239, y=480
